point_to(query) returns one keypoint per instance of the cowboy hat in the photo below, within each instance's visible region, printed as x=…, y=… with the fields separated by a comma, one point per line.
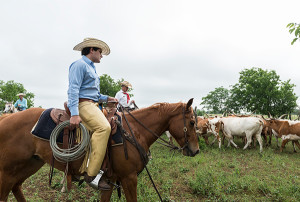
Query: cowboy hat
x=21, y=94
x=92, y=42
x=126, y=83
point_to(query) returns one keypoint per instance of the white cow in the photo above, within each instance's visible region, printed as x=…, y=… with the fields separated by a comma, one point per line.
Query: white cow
x=239, y=126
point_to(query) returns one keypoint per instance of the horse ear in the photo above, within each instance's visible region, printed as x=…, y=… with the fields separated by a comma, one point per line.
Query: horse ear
x=189, y=104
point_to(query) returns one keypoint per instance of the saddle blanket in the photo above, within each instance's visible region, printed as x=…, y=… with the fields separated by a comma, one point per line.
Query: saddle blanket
x=45, y=126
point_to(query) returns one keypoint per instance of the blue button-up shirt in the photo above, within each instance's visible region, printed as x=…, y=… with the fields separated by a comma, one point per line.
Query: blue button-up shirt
x=22, y=103
x=84, y=82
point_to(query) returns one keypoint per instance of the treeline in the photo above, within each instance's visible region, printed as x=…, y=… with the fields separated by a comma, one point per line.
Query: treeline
x=257, y=91
x=10, y=89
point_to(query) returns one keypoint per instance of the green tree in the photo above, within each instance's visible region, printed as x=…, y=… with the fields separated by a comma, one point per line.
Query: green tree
x=108, y=86
x=216, y=101
x=257, y=90
x=294, y=28
x=262, y=91
x=9, y=91
x=286, y=98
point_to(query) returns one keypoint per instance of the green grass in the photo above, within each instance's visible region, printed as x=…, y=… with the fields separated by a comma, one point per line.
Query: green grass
x=228, y=174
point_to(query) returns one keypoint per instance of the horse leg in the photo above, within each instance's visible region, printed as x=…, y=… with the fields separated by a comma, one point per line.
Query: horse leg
x=28, y=169
x=129, y=184
x=106, y=195
x=6, y=185
x=17, y=191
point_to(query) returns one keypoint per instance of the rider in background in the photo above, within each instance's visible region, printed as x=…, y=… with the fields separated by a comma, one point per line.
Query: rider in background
x=123, y=96
x=21, y=103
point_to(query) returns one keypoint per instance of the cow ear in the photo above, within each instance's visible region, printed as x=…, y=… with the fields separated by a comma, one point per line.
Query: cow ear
x=189, y=104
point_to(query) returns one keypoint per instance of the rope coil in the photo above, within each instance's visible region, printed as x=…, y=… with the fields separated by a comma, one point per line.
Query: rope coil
x=73, y=153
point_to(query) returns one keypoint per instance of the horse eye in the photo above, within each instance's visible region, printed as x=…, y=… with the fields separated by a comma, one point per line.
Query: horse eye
x=192, y=122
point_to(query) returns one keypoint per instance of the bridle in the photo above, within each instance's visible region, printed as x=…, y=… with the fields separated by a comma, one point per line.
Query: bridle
x=165, y=143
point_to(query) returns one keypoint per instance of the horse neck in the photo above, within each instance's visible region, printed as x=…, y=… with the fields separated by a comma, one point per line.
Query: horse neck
x=155, y=118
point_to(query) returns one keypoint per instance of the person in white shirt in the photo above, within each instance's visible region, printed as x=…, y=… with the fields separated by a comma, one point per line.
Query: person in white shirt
x=123, y=96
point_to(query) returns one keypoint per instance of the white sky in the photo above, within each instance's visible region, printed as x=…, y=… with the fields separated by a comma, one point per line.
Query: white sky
x=169, y=51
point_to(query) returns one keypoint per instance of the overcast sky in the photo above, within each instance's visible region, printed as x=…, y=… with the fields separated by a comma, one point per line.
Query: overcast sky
x=169, y=51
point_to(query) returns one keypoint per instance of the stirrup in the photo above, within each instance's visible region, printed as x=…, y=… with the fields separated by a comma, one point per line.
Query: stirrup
x=95, y=181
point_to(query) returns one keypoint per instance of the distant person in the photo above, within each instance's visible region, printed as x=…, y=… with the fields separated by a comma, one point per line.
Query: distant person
x=124, y=97
x=21, y=103
x=83, y=98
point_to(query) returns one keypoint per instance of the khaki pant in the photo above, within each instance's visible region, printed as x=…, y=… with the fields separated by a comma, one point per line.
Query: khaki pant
x=95, y=121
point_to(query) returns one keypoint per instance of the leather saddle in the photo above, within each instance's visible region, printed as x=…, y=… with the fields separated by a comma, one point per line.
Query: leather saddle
x=60, y=115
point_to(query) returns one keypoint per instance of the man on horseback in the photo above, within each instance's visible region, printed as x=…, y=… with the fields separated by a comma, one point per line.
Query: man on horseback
x=123, y=96
x=83, y=97
x=21, y=103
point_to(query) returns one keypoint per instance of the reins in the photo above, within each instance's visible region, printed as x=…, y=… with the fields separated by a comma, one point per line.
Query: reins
x=153, y=133
x=140, y=152
x=166, y=143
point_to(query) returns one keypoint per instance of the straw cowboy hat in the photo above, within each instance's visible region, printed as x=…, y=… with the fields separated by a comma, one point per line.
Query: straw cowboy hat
x=21, y=94
x=126, y=83
x=92, y=42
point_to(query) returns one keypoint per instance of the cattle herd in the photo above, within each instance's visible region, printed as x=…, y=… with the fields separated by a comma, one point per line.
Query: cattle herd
x=249, y=128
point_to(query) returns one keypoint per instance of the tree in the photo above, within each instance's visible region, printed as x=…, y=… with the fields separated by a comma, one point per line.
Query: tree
x=294, y=28
x=108, y=86
x=216, y=101
x=9, y=91
x=262, y=91
x=257, y=90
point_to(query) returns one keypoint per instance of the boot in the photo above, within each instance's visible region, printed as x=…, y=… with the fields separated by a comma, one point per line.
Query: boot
x=103, y=185
x=96, y=181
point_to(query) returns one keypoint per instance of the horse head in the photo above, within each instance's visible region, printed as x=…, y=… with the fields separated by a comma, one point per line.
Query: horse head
x=183, y=129
x=9, y=108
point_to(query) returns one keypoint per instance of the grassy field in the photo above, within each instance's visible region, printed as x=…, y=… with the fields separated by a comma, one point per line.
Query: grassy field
x=228, y=174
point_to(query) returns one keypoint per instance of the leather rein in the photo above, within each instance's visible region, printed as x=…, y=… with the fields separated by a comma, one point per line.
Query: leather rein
x=166, y=143
x=140, y=149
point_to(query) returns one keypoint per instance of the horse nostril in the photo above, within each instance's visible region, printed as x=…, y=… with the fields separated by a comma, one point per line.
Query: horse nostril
x=197, y=152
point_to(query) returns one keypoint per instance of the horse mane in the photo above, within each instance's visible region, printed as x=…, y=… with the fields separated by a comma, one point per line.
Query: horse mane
x=162, y=107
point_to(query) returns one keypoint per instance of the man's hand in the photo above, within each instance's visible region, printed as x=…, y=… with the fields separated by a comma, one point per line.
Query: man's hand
x=74, y=122
x=112, y=99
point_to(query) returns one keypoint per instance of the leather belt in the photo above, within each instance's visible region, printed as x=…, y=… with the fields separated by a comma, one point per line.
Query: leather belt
x=86, y=100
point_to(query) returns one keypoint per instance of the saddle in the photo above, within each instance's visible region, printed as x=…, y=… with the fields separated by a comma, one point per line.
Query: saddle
x=110, y=112
x=60, y=115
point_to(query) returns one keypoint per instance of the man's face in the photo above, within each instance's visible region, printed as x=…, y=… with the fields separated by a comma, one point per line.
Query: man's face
x=96, y=55
x=124, y=88
x=21, y=97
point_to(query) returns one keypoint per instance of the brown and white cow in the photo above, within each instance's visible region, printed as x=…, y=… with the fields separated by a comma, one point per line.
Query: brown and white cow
x=287, y=130
x=238, y=126
x=202, y=129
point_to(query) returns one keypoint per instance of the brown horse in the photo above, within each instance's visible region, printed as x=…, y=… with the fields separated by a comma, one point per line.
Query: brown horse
x=22, y=154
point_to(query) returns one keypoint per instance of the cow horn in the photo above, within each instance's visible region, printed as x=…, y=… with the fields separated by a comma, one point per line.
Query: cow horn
x=224, y=113
x=282, y=116
x=233, y=113
x=207, y=115
x=270, y=115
